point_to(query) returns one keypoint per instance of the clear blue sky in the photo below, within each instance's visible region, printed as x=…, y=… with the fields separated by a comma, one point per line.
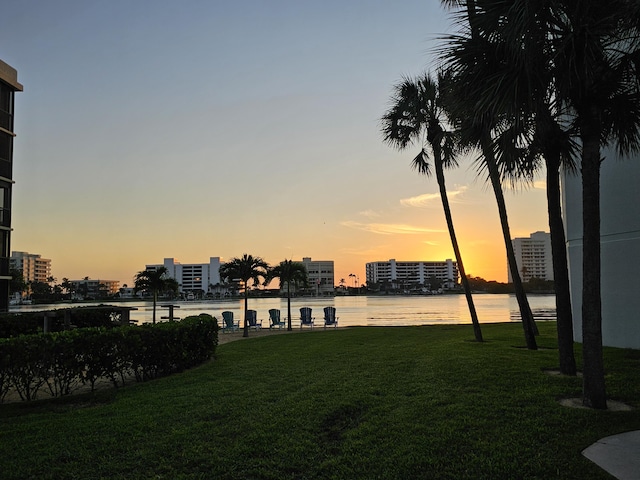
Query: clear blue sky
x=155, y=129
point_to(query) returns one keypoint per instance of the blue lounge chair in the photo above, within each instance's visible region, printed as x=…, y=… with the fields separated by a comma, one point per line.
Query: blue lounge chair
x=228, y=325
x=330, y=318
x=252, y=320
x=306, y=318
x=274, y=319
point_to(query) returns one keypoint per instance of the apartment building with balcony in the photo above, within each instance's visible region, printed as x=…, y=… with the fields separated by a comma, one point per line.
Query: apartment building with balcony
x=8, y=86
x=34, y=268
x=412, y=273
x=533, y=257
x=192, y=278
x=95, y=288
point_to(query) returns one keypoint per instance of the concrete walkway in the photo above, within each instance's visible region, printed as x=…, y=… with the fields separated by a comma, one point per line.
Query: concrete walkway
x=619, y=455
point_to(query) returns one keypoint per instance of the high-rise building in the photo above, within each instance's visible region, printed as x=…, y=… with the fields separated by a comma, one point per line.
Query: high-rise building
x=34, y=268
x=533, y=257
x=413, y=273
x=194, y=278
x=8, y=86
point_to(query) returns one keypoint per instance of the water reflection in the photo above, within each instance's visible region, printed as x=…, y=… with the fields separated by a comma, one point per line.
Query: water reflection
x=355, y=310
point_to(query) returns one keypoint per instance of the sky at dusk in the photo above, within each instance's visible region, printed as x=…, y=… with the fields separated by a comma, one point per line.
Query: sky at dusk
x=199, y=129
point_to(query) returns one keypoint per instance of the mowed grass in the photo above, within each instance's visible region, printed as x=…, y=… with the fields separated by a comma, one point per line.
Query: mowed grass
x=352, y=403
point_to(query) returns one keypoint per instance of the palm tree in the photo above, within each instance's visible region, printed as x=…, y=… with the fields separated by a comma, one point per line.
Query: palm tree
x=518, y=87
x=289, y=272
x=155, y=281
x=416, y=115
x=587, y=56
x=478, y=128
x=596, y=56
x=244, y=269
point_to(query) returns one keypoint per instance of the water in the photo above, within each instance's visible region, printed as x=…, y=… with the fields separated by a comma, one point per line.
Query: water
x=354, y=310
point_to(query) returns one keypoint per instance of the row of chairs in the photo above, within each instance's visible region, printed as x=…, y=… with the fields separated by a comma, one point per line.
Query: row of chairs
x=306, y=319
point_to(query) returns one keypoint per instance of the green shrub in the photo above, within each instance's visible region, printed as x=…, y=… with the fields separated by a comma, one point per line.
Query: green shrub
x=63, y=361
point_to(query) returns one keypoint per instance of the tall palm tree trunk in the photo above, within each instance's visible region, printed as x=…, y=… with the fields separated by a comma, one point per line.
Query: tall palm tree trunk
x=245, y=331
x=289, y=306
x=593, y=386
x=528, y=323
x=155, y=301
x=564, y=322
x=454, y=242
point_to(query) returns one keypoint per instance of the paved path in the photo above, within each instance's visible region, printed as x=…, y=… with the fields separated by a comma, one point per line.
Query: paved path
x=618, y=454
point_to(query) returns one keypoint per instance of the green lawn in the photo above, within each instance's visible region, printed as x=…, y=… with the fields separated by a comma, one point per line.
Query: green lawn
x=401, y=402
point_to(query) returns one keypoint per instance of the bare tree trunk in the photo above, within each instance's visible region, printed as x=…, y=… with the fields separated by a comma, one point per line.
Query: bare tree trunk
x=564, y=315
x=528, y=323
x=593, y=386
x=452, y=233
x=155, y=301
x=289, y=306
x=245, y=332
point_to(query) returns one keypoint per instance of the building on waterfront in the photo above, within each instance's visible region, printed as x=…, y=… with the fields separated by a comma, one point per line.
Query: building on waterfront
x=619, y=244
x=321, y=276
x=411, y=274
x=94, y=288
x=533, y=257
x=8, y=86
x=34, y=268
x=196, y=279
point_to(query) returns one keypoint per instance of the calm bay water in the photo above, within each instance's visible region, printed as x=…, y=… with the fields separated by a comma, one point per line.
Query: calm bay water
x=356, y=310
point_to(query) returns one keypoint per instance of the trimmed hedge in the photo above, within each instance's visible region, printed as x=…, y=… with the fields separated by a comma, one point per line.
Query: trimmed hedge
x=29, y=323
x=62, y=362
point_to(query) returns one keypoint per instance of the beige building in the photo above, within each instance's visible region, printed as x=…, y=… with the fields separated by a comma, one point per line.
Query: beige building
x=321, y=276
x=34, y=268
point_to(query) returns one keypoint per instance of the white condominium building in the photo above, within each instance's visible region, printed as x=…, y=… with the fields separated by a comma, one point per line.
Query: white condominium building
x=533, y=257
x=89, y=287
x=192, y=277
x=415, y=272
x=321, y=275
x=34, y=268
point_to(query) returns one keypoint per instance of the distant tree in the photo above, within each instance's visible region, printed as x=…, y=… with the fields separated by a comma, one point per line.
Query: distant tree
x=17, y=283
x=245, y=269
x=68, y=286
x=40, y=292
x=155, y=282
x=289, y=272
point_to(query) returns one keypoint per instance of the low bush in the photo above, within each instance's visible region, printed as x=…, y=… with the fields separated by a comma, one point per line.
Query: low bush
x=62, y=362
x=29, y=323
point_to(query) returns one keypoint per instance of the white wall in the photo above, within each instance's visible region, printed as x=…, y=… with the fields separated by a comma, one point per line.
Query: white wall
x=620, y=249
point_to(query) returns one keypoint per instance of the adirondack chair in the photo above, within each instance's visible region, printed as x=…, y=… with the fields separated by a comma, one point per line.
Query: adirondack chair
x=330, y=318
x=228, y=325
x=306, y=318
x=274, y=319
x=252, y=320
